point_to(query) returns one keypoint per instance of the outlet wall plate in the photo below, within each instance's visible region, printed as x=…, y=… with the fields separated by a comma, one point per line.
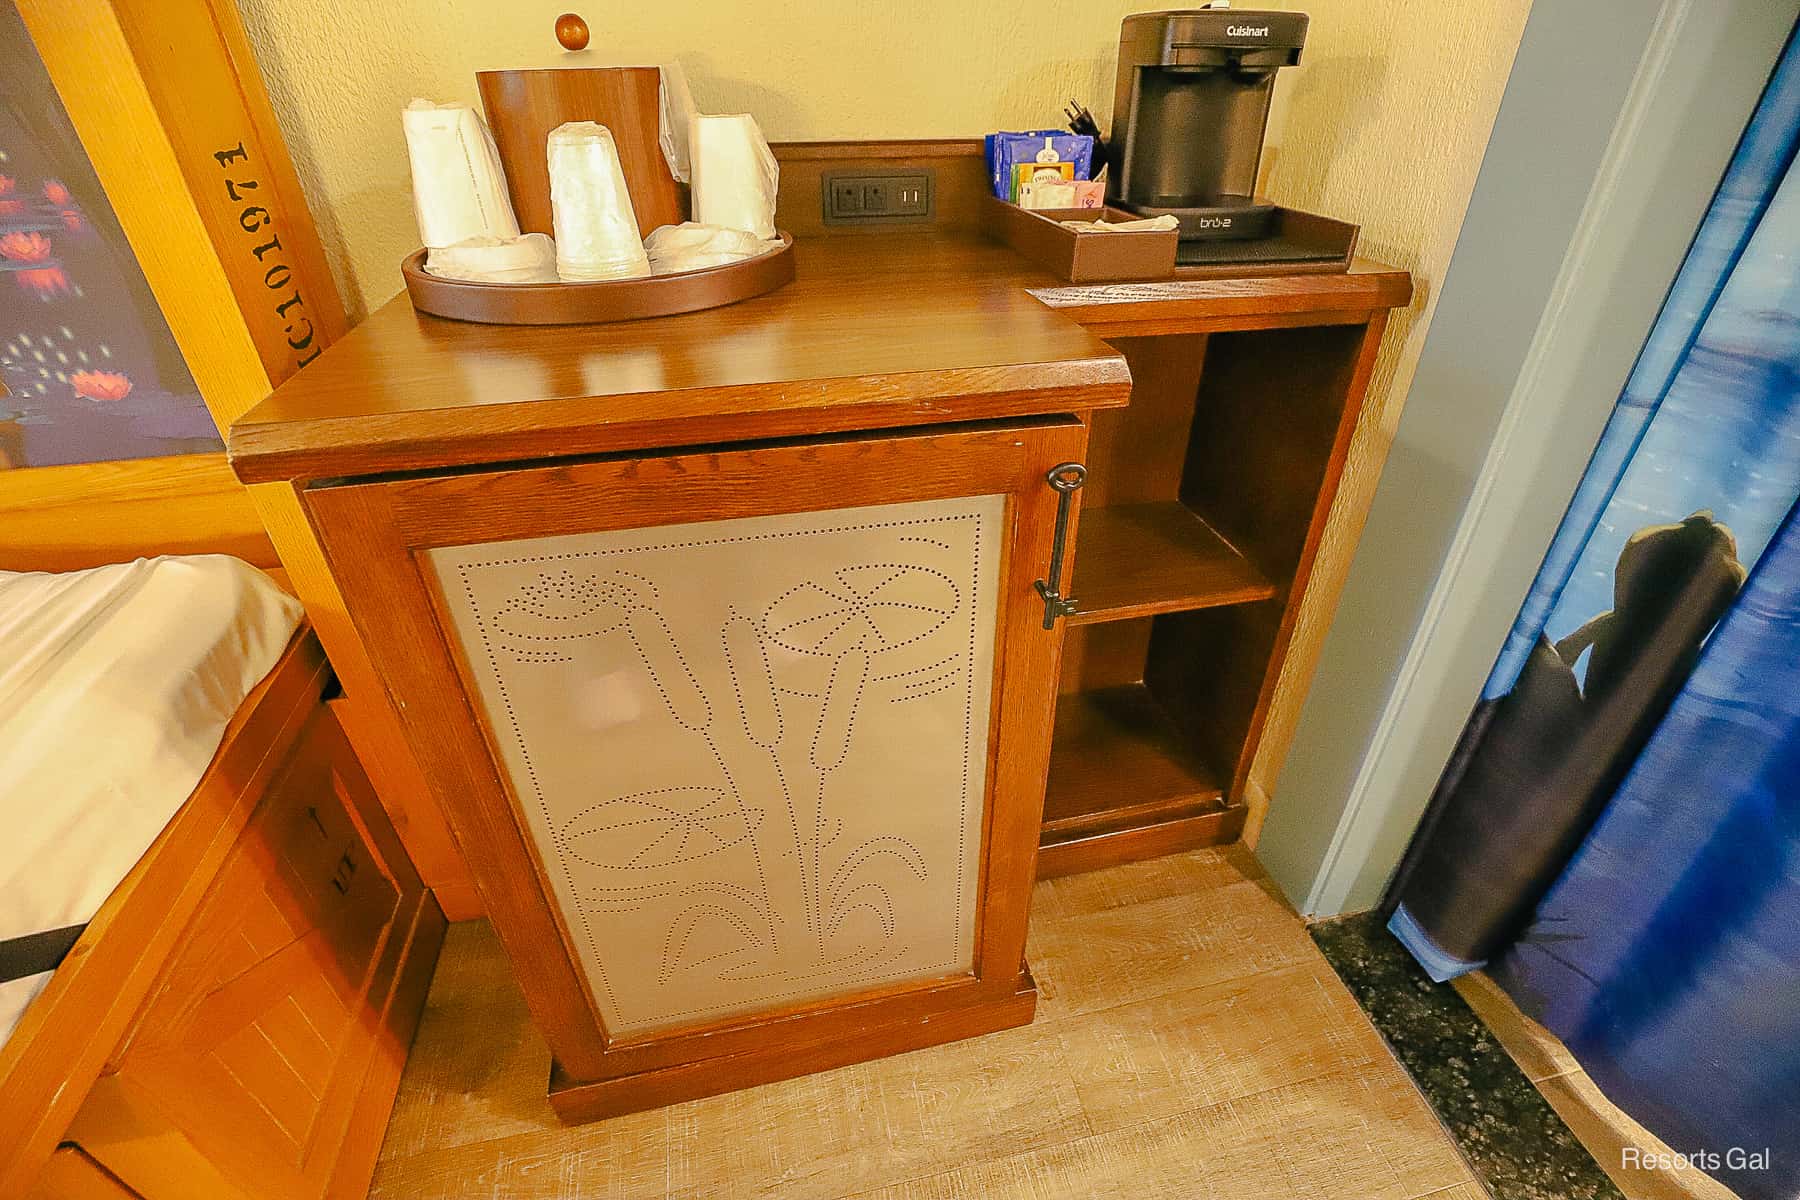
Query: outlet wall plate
x=904, y=196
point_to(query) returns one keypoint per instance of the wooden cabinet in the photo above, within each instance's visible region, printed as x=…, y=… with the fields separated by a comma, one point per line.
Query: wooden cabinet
x=746, y=747
x=719, y=641
x=719, y=636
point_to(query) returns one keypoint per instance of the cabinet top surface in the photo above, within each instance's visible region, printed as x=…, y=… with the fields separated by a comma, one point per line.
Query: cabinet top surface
x=875, y=331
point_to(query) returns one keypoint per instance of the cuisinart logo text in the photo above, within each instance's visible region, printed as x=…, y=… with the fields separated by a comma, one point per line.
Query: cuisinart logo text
x=1247, y=30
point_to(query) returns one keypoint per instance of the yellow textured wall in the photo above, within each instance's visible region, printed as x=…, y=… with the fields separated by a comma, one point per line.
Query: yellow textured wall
x=1384, y=123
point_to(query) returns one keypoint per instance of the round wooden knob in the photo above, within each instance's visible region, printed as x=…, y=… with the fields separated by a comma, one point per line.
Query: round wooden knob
x=572, y=31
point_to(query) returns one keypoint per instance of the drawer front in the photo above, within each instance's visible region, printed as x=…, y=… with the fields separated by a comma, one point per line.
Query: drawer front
x=248, y=1055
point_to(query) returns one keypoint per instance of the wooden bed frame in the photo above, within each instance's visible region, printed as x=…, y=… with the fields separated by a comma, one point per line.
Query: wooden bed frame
x=164, y=1060
x=234, y=1020
x=152, y=1064
x=67, y=518
x=155, y=1062
x=142, y=1068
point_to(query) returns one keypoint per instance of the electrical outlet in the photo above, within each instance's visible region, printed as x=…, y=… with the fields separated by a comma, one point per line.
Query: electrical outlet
x=845, y=196
x=890, y=198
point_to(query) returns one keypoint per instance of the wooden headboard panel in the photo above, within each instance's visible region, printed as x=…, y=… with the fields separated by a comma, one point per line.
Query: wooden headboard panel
x=66, y=518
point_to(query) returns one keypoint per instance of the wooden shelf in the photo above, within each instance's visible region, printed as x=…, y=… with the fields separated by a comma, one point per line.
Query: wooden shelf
x=1114, y=754
x=1123, y=785
x=1136, y=560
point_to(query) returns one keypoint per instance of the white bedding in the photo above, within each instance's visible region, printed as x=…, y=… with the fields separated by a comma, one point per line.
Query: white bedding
x=116, y=685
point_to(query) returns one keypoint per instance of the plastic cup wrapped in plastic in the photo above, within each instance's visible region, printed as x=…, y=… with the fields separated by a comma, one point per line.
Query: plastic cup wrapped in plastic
x=529, y=258
x=459, y=190
x=691, y=246
x=734, y=174
x=596, y=230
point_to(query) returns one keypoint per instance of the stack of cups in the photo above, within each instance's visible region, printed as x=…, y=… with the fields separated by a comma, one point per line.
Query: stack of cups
x=596, y=230
x=459, y=189
x=734, y=174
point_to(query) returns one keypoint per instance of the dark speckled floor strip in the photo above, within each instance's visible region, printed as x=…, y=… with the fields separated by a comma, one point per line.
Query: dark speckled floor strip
x=1515, y=1141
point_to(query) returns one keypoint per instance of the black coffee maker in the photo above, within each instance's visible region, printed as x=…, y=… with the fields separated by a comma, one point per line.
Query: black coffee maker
x=1189, y=110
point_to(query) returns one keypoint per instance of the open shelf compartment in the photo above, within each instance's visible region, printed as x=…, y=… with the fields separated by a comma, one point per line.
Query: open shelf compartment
x=1114, y=742
x=1119, y=769
x=1136, y=560
x=1202, y=500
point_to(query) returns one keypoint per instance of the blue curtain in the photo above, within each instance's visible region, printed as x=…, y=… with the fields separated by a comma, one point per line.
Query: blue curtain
x=1618, y=831
x=1667, y=955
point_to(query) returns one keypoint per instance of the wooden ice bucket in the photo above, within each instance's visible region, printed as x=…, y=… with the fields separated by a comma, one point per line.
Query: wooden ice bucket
x=524, y=106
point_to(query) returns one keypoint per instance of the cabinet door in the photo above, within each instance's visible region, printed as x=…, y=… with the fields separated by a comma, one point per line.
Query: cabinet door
x=741, y=743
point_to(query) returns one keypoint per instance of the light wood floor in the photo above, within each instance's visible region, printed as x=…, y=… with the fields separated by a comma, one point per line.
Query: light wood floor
x=1190, y=1043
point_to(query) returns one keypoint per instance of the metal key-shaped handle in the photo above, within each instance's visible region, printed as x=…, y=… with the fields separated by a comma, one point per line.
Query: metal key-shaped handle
x=1066, y=478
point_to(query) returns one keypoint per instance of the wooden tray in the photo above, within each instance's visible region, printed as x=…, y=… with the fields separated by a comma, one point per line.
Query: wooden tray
x=1302, y=243
x=1039, y=235
x=586, y=303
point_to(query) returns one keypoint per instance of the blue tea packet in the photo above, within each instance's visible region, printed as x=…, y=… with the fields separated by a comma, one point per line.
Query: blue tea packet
x=1007, y=151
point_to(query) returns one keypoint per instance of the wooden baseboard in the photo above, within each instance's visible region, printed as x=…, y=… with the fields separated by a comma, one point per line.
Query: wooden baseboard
x=1110, y=848
x=577, y=1101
